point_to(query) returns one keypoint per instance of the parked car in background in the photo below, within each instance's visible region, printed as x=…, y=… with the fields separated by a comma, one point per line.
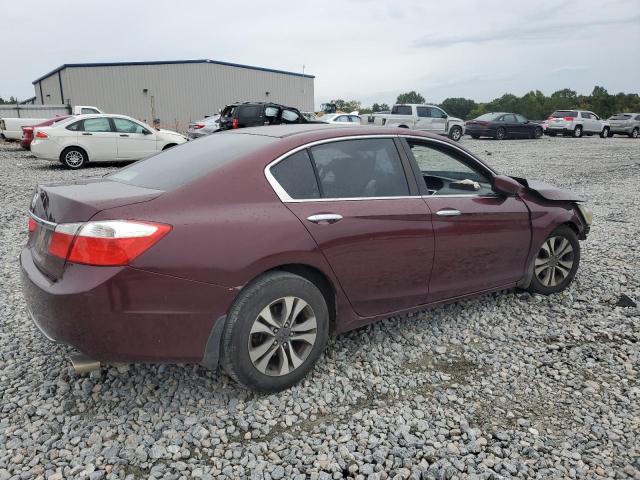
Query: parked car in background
x=344, y=119
x=159, y=260
x=625, y=124
x=27, y=132
x=204, y=127
x=11, y=127
x=100, y=138
x=503, y=125
x=256, y=114
x=576, y=123
x=425, y=118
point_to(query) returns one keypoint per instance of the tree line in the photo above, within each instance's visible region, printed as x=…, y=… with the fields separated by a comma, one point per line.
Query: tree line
x=534, y=104
x=12, y=99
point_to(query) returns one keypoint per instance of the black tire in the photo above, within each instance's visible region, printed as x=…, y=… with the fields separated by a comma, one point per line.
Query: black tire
x=74, y=158
x=501, y=134
x=261, y=293
x=605, y=133
x=167, y=147
x=455, y=133
x=634, y=133
x=475, y=137
x=536, y=285
x=537, y=133
x=577, y=132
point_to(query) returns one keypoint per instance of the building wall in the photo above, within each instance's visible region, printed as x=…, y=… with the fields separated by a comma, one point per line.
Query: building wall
x=179, y=93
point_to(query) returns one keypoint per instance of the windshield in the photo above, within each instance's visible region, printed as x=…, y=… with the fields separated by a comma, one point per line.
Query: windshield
x=488, y=117
x=620, y=116
x=176, y=166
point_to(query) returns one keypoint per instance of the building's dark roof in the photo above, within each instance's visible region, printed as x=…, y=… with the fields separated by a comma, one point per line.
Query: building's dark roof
x=168, y=62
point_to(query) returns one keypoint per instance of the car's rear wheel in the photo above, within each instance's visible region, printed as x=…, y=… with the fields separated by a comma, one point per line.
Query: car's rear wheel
x=605, y=133
x=74, y=158
x=455, y=133
x=500, y=133
x=634, y=133
x=275, y=332
x=577, y=132
x=556, y=263
x=537, y=132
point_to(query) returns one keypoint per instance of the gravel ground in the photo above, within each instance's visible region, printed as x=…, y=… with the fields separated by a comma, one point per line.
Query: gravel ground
x=506, y=385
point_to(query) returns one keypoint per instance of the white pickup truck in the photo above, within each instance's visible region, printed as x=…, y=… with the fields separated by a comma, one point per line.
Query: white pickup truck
x=14, y=117
x=427, y=118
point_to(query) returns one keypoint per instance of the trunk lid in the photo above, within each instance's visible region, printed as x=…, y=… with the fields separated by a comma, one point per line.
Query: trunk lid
x=74, y=203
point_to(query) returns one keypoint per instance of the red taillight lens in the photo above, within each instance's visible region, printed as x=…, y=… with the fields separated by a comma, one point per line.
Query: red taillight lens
x=198, y=126
x=41, y=134
x=32, y=225
x=568, y=119
x=235, y=123
x=107, y=243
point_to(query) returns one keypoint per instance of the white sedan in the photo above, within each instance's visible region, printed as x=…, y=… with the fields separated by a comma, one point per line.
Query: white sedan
x=100, y=138
x=346, y=119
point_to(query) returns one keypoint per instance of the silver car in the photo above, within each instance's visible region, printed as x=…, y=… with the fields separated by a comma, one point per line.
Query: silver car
x=204, y=127
x=576, y=123
x=625, y=124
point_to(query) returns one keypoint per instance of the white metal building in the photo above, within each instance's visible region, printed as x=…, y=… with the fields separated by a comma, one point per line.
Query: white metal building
x=174, y=92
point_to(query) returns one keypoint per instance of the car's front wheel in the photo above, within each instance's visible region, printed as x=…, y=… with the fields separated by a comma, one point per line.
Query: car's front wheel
x=500, y=133
x=557, y=262
x=455, y=133
x=74, y=158
x=634, y=133
x=275, y=332
x=605, y=133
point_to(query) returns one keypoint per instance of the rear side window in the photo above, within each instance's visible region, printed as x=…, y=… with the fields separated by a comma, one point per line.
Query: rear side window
x=295, y=175
x=96, y=125
x=74, y=127
x=637, y=117
x=172, y=168
x=622, y=116
x=401, y=110
x=359, y=168
x=290, y=116
x=249, y=111
x=89, y=111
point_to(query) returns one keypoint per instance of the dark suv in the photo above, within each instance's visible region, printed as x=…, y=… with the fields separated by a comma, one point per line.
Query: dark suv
x=254, y=114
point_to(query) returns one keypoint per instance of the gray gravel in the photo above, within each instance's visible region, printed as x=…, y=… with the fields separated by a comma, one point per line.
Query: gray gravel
x=506, y=385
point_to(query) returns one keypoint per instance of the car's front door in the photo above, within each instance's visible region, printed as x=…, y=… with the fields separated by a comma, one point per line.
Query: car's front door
x=524, y=127
x=482, y=238
x=438, y=120
x=369, y=222
x=511, y=125
x=134, y=140
x=98, y=139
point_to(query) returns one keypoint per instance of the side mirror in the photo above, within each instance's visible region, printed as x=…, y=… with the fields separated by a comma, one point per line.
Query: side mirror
x=507, y=185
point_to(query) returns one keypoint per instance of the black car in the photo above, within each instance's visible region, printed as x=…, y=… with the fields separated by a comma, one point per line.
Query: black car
x=254, y=114
x=503, y=125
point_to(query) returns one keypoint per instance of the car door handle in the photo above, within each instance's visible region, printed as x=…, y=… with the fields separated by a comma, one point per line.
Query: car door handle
x=325, y=218
x=448, y=212
x=87, y=133
x=124, y=135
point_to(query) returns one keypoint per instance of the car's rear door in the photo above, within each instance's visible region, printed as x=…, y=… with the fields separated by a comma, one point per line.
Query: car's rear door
x=366, y=216
x=97, y=137
x=134, y=141
x=482, y=239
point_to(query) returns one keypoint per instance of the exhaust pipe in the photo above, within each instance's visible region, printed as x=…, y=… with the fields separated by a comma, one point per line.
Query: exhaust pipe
x=83, y=364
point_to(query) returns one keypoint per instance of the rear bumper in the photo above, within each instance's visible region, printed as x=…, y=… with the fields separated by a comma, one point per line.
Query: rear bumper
x=558, y=131
x=122, y=314
x=45, y=149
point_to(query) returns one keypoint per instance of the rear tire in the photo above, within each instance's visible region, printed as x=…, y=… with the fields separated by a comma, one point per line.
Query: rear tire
x=501, y=133
x=577, y=132
x=605, y=133
x=262, y=348
x=74, y=158
x=455, y=134
x=634, y=133
x=557, y=262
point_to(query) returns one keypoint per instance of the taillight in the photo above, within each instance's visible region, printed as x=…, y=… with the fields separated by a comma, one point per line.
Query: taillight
x=105, y=243
x=32, y=225
x=235, y=123
x=482, y=123
x=198, y=125
x=41, y=134
x=568, y=119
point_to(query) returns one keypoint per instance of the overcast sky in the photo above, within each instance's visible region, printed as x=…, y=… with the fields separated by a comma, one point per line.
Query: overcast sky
x=367, y=50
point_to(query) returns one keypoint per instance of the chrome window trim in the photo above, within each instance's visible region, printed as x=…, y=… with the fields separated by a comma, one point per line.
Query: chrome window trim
x=285, y=198
x=40, y=221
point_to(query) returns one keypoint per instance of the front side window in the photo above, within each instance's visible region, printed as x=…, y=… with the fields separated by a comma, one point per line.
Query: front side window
x=248, y=112
x=127, y=126
x=637, y=117
x=509, y=118
x=521, y=119
x=342, y=118
x=436, y=113
x=88, y=111
x=359, y=168
x=445, y=174
x=584, y=114
x=290, y=116
x=593, y=116
x=422, y=111
x=96, y=125
x=295, y=175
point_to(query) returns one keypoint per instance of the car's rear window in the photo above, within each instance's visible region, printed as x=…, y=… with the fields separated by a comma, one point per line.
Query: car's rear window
x=401, y=110
x=620, y=116
x=179, y=165
x=564, y=113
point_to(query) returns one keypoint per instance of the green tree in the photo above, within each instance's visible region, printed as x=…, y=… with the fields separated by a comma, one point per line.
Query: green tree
x=458, y=107
x=379, y=107
x=410, y=97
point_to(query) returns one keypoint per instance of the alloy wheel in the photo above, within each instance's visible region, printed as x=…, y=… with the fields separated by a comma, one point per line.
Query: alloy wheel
x=500, y=133
x=282, y=336
x=456, y=134
x=554, y=261
x=634, y=133
x=73, y=158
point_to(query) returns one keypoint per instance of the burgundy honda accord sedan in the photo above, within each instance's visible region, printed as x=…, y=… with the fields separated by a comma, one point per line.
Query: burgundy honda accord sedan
x=246, y=249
